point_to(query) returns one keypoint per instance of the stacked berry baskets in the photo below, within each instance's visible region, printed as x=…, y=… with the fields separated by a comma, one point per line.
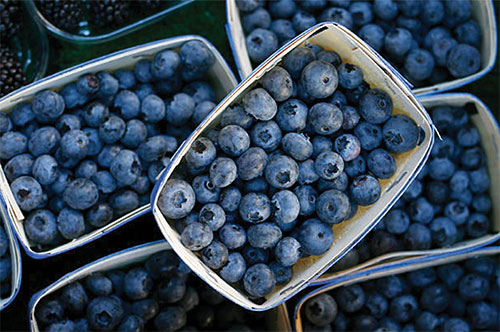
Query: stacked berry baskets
x=437, y=45
x=458, y=292
x=98, y=135
x=142, y=288
x=10, y=264
x=449, y=207
x=227, y=192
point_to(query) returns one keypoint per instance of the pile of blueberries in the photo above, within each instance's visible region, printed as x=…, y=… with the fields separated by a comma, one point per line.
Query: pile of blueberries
x=447, y=203
x=5, y=264
x=429, y=41
x=160, y=294
x=81, y=157
x=264, y=187
x=453, y=297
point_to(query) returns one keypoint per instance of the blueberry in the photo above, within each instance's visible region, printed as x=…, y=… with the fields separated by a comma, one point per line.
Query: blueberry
x=350, y=298
x=473, y=287
x=472, y=158
x=397, y=221
x=200, y=91
x=348, y=146
x=339, y=183
x=426, y=321
x=382, y=243
x=435, y=298
x=197, y=59
x=295, y=61
x=28, y=193
x=125, y=167
x=319, y=79
x=419, y=64
x=458, y=212
x=397, y=43
x=463, y=60
x=479, y=180
x=373, y=35
x=201, y=154
x=457, y=12
x=137, y=284
x=259, y=104
x=50, y=311
x=235, y=268
x=266, y=135
x=176, y=199
x=307, y=199
x=481, y=315
x=21, y=114
x=41, y=227
x=98, y=284
x=264, y=235
x=165, y=64
x=204, y=190
x=99, y=215
x=443, y=231
x=376, y=304
x=196, y=236
x=95, y=114
x=259, y=18
x=481, y=203
x=315, y=237
x=74, y=297
x=418, y=237
x=189, y=301
x=107, y=154
x=170, y=319
x=11, y=144
x=456, y=324
x=255, y=208
x=288, y=251
x=72, y=97
x=375, y=106
x=282, y=8
x=47, y=106
x=365, y=190
x=321, y=310
x=212, y=215
x=283, y=29
x=142, y=71
x=332, y=207
x=338, y=15
x=87, y=84
x=307, y=172
x=302, y=21
x=201, y=111
x=278, y=83
x=385, y=9
x=111, y=130
x=230, y=199
x=369, y=135
x=432, y=12
x=321, y=144
x=251, y=165
x=234, y=140
x=281, y=171
x=285, y=206
x=381, y=163
x=232, y=235
x=236, y=115
x=255, y=255
x=215, y=255
x=104, y=313
x=469, y=33
x=131, y=323
x=259, y=280
x=70, y=223
x=400, y=134
x=477, y=225
x=179, y=109
x=81, y=194
x=297, y=145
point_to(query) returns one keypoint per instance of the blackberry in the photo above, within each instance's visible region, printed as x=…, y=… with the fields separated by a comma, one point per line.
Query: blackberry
x=110, y=13
x=10, y=18
x=148, y=4
x=65, y=14
x=12, y=75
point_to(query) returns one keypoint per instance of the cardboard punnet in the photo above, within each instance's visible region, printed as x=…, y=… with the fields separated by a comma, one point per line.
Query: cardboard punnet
x=219, y=76
x=347, y=234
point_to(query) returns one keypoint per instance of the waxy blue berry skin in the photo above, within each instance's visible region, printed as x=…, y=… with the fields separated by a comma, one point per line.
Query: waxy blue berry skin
x=365, y=190
x=329, y=165
x=292, y=115
x=177, y=199
x=261, y=43
x=319, y=79
x=325, y=118
x=260, y=104
x=235, y=268
x=288, y=251
x=264, y=235
x=234, y=140
x=196, y=236
x=255, y=208
x=400, y=134
x=315, y=237
x=47, y=106
x=266, y=135
x=41, y=227
x=281, y=172
x=28, y=193
x=278, y=83
x=259, y=280
x=70, y=223
x=332, y=207
x=80, y=194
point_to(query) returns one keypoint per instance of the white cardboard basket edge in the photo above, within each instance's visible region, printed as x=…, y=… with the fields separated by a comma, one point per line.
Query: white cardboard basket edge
x=325, y=34
x=15, y=256
x=490, y=139
x=389, y=269
x=220, y=76
x=482, y=11
x=278, y=318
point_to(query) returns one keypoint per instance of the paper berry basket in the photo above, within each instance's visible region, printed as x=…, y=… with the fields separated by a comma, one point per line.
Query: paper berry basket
x=347, y=234
x=482, y=11
x=219, y=76
x=15, y=255
x=489, y=131
x=389, y=269
x=276, y=320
